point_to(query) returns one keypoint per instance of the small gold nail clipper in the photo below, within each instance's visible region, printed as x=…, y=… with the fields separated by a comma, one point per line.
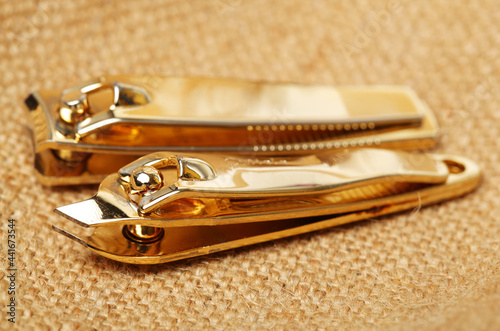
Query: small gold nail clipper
x=89, y=131
x=168, y=206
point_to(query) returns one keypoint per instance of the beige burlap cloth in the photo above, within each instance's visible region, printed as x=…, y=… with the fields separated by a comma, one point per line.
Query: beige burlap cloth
x=436, y=268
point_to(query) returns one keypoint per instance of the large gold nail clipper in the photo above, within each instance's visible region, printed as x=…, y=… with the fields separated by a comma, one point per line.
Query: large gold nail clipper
x=89, y=131
x=170, y=206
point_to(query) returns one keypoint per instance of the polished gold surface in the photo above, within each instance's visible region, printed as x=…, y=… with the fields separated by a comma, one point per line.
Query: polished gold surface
x=145, y=179
x=227, y=202
x=142, y=234
x=129, y=116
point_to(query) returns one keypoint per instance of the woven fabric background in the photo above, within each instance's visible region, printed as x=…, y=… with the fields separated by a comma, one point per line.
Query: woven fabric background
x=436, y=268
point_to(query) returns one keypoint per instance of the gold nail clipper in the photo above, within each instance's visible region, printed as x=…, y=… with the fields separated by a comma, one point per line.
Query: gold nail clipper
x=87, y=132
x=170, y=206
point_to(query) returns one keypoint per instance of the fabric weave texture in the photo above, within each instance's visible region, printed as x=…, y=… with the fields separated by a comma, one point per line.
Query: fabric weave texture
x=434, y=268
